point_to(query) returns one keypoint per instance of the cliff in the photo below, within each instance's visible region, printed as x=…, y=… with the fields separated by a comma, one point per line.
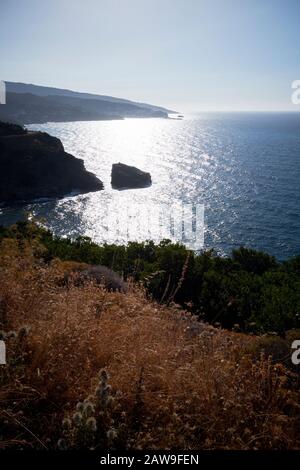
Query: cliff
x=35, y=165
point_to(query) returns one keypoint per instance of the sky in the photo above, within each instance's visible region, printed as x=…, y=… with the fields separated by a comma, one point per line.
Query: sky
x=188, y=55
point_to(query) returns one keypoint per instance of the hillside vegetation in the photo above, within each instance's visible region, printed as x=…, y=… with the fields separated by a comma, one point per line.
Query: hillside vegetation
x=250, y=291
x=88, y=368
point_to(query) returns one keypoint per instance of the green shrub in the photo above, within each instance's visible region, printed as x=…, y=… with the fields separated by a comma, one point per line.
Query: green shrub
x=250, y=288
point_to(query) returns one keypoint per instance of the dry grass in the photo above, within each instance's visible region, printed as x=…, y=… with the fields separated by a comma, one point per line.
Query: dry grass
x=181, y=384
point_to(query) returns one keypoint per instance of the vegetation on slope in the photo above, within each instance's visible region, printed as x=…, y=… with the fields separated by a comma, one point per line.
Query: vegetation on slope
x=167, y=380
x=249, y=291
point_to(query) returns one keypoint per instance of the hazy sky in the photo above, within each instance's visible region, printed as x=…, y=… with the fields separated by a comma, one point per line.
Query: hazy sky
x=185, y=54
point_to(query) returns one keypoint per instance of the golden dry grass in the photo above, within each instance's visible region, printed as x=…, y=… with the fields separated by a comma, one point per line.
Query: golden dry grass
x=181, y=384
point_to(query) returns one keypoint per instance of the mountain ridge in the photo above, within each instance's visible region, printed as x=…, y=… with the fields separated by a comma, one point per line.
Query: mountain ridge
x=43, y=90
x=34, y=104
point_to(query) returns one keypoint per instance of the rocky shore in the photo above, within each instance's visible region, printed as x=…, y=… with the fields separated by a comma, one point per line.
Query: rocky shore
x=35, y=165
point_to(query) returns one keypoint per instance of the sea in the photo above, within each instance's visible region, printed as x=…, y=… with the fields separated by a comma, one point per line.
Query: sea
x=219, y=181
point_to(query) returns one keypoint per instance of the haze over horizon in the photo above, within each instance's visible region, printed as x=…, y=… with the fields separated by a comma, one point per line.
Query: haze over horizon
x=189, y=56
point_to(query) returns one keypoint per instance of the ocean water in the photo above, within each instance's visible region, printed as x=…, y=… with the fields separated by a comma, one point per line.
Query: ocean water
x=243, y=168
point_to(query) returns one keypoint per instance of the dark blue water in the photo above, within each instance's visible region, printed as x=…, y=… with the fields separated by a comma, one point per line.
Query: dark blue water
x=244, y=168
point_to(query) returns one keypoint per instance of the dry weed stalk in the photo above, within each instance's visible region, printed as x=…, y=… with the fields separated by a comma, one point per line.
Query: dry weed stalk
x=200, y=389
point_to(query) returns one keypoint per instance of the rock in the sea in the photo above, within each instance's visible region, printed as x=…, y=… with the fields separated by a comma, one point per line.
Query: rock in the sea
x=35, y=165
x=126, y=177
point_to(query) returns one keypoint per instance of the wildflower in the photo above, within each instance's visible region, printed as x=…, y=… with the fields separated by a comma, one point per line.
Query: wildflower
x=79, y=407
x=107, y=389
x=88, y=399
x=12, y=334
x=77, y=418
x=61, y=444
x=111, y=434
x=89, y=408
x=103, y=375
x=66, y=423
x=99, y=309
x=103, y=393
x=2, y=335
x=23, y=332
x=91, y=424
x=110, y=399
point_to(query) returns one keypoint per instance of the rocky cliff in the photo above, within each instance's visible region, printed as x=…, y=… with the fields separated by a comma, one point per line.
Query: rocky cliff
x=35, y=165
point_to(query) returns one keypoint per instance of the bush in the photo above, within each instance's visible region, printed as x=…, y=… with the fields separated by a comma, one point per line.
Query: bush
x=250, y=288
x=176, y=383
x=272, y=346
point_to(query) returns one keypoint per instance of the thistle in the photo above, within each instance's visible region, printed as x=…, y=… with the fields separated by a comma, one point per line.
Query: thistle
x=66, y=424
x=91, y=424
x=88, y=409
x=11, y=334
x=77, y=418
x=103, y=390
x=103, y=376
x=89, y=399
x=23, y=332
x=111, y=434
x=79, y=407
x=3, y=335
x=61, y=444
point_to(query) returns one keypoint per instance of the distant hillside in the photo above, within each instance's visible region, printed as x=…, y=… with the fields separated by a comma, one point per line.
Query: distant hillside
x=27, y=104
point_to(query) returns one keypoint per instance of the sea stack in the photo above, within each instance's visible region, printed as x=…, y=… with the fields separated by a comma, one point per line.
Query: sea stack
x=129, y=177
